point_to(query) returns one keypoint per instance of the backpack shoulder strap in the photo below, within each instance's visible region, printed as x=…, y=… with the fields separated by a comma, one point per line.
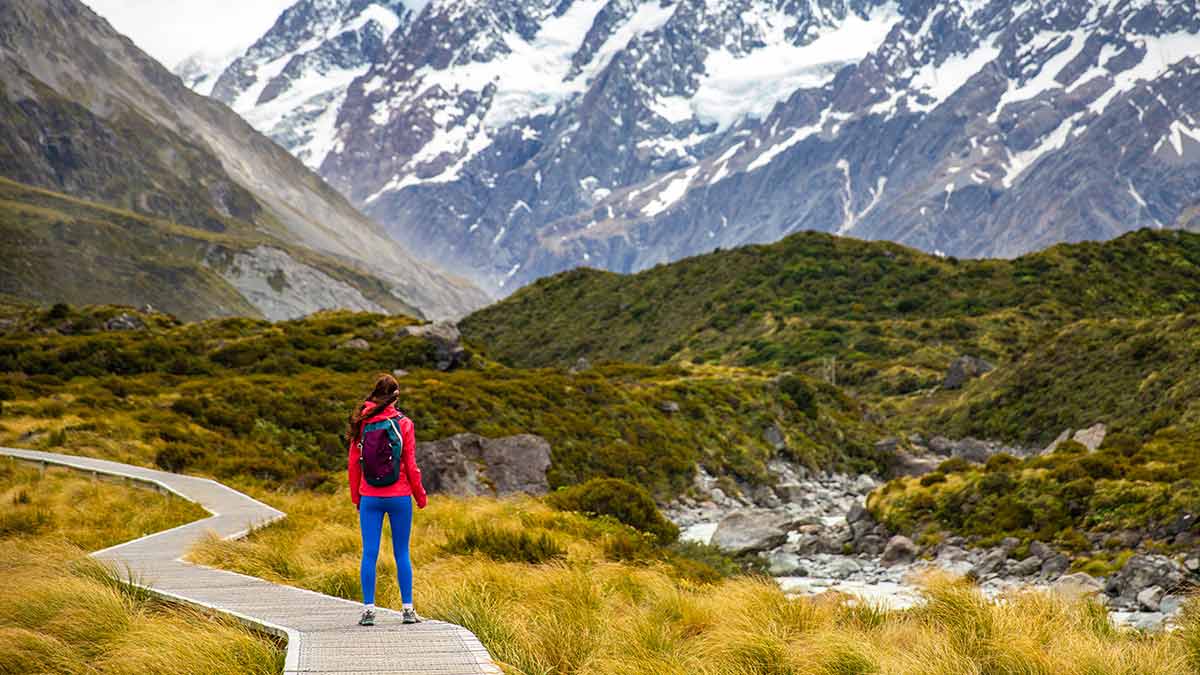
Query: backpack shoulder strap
x=396, y=426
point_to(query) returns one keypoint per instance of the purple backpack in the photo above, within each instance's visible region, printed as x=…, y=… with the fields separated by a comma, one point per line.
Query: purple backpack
x=380, y=448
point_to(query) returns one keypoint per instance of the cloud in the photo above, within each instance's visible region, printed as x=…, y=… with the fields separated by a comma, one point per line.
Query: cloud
x=172, y=30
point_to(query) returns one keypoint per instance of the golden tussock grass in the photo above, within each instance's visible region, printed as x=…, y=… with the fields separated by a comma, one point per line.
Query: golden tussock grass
x=63, y=612
x=583, y=614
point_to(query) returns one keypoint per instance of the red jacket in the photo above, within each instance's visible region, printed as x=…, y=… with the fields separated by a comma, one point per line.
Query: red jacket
x=409, y=482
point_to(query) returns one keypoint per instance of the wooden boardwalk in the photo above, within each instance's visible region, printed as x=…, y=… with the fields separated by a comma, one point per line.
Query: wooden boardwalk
x=321, y=631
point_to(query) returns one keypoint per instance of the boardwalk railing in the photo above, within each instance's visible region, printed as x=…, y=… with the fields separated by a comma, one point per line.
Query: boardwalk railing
x=321, y=631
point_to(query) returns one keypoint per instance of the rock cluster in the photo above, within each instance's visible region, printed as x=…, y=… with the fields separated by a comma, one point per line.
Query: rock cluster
x=815, y=525
x=920, y=456
x=1090, y=438
x=124, y=321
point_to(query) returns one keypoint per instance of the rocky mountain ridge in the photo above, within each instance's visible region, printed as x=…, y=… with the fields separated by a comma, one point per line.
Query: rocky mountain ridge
x=89, y=116
x=521, y=139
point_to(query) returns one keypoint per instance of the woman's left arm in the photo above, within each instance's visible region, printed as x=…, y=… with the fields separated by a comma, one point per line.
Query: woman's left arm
x=409, y=433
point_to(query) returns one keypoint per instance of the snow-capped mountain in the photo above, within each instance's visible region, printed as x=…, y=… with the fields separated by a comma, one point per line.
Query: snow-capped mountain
x=201, y=70
x=290, y=84
x=511, y=140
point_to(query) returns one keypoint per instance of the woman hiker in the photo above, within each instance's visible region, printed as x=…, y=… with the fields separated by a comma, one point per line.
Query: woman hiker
x=384, y=478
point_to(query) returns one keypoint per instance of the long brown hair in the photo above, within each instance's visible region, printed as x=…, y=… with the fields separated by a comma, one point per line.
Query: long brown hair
x=385, y=393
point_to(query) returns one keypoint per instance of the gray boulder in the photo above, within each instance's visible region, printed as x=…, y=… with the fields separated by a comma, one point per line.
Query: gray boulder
x=1077, y=584
x=871, y=544
x=843, y=568
x=1027, y=567
x=1171, y=604
x=941, y=445
x=1091, y=437
x=1055, y=566
x=469, y=465
x=857, y=513
x=783, y=564
x=357, y=344
x=1040, y=550
x=863, y=485
x=449, y=352
x=124, y=321
x=992, y=563
x=899, y=550
x=1149, y=599
x=765, y=497
x=1142, y=572
x=965, y=368
x=790, y=493
x=974, y=450
x=810, y=543
x=748, y=531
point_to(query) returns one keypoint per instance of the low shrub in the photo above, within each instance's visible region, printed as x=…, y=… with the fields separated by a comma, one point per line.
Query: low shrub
x=624, y=501
x=933, y=478
x=954, y=464
x=177, y=457
x=1001, y=462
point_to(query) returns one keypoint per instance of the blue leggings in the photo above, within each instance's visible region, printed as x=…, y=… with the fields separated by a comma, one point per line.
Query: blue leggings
x=370, y=521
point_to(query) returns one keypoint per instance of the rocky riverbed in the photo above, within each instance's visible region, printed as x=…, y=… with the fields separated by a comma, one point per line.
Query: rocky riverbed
x=815, y=535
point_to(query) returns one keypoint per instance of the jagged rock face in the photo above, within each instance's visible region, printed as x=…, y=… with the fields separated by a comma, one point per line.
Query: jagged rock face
x=512, y=140
x=291, y=83
x=280, y=287
x=471, y=465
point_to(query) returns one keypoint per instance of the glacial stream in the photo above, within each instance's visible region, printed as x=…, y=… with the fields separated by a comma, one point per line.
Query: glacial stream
x=804, y=527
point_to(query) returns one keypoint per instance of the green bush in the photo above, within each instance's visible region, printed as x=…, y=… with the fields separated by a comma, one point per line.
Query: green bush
x=1001, y=462
x=624, y=501
x=953, y=465
x=506, y=545
x=933, y=478
x=796, y=389
x=177, y=457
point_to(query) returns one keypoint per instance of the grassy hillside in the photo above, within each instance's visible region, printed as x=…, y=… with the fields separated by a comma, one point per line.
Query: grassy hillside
x=585, y=607
x=61, y=612
x=1079, y=501
x=72, y=250
x=1139, y=377
x=241, y=397
x=892, y=317
x=1135, y=375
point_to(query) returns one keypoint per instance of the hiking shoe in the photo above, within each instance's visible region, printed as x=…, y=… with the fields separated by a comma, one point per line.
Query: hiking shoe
x=368, y=618
x=410, y=616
